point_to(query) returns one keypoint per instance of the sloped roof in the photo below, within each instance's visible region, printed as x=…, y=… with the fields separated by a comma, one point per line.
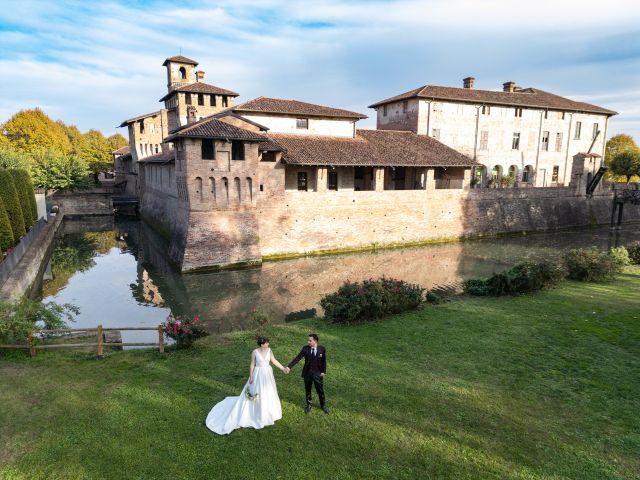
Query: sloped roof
x=139, y=117
x=526, y=97
x=211, y=127
x=179, y=59
x=370, y=148
x=166, y=156
x=201, y=87
x=122, y=150
x=293, y=107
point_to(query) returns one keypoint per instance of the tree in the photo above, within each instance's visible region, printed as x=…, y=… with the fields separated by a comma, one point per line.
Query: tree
x=626, y=163
x=117, y=141
x=11, y=203
x=25, y=192
x=97, y=152
x=33, y=206
x=32, y=130
x=76, y=137
x=618, y=144
x=6, y=234
x=11, y=158
x=53, y=170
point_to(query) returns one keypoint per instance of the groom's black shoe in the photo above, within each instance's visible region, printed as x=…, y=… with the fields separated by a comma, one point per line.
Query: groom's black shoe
x=307, y=409
x=324, y=409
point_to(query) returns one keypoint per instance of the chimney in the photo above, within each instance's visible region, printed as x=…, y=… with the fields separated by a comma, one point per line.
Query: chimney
x=199, y=76
x=191, y=114
x=509, y=87
x=468, y=82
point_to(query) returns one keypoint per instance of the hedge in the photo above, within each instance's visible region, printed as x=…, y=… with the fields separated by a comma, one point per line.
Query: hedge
x=24, y=195
x=6, y=234
x=11, y=202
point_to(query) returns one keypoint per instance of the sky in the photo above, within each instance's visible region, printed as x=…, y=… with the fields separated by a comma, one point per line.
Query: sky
x=96, y=63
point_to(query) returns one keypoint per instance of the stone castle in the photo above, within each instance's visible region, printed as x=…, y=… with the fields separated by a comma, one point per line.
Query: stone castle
x=231, y=184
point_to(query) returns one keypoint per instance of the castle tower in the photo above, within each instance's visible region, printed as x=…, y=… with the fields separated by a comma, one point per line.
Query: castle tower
x=180, y=71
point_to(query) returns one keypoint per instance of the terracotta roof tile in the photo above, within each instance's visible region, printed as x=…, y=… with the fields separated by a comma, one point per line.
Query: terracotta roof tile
x=526, y=97
x=293, y=107
x=179, y=59
x=165, y=156
x=370, y=148
x=201, y=87
x=210, y=127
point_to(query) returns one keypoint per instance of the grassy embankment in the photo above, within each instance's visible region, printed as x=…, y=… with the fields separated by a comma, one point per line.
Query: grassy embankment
x=538, y=386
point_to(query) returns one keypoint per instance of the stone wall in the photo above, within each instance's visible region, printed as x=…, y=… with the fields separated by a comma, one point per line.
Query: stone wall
x=94, y=202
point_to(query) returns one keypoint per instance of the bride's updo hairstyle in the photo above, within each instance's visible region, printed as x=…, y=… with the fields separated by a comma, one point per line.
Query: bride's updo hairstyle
x=262, y=340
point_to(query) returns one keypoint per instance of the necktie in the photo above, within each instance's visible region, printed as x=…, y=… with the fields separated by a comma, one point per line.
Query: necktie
x=313, y=350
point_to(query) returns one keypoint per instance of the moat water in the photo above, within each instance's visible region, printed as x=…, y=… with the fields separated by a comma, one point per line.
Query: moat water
x=116, y=270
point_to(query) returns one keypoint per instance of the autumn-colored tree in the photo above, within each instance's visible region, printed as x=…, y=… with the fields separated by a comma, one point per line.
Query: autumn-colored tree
x=97, y=152
x=618, y=144
x=55, y=171
x=6, y=234
x=77, y=139
x=117, y=141
x=12, y=158
x=32, y=130
x=11, y=202
x=626, y=163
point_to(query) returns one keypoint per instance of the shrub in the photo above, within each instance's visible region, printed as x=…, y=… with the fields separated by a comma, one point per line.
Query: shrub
x=6, y=233
x=620, y=255
x=371, y=299
x=20, y=319
x=634, y=253
x=591, y=264
x=55, y=171
x=11, y=202
x=24, y=178
x=523, y=278
x=23, y=197
x=433, y=298
x=184, y=330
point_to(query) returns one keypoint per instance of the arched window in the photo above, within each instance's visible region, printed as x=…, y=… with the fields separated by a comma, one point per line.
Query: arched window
x=183, y=73
x=212, y=188
x=496, y=173
x=225, y=183
x=199, y=187
x=236, y=182
x=249, y=190
x=480, y=173
x=527, y=174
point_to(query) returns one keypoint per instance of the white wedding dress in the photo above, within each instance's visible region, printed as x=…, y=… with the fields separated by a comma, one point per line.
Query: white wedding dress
x=236, y=412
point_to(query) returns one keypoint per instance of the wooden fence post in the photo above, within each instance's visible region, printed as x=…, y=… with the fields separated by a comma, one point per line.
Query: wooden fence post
x=100, y=340
x=161, y=338
x=32, y=349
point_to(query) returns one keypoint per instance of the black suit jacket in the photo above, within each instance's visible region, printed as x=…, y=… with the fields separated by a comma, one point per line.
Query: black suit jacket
x=312, y=365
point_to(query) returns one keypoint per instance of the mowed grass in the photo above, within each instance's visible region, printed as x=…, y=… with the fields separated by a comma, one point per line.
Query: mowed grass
x=540, y=386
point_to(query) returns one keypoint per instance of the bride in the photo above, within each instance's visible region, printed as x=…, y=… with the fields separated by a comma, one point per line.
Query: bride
x=258, y=404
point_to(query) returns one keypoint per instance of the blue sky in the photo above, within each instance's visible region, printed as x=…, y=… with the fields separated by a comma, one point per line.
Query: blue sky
x=94, y=64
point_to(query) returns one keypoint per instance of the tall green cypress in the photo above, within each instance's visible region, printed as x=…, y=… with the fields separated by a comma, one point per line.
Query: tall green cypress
x=11, y=202
x=33, y=206
x=23, y=197
x=6, y=234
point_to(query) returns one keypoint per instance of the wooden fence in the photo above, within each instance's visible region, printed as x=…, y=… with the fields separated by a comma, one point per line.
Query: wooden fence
x=99, y=344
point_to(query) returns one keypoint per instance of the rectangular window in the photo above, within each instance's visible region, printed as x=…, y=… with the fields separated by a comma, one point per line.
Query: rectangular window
x=302, y=123
x=559, y=142
x=546, y=114
x=156, y=148
x=545, y=141
x=405, y=106
x=515, y=142
x=595, y=131
x=563, y=115
x=484, y=140
x=554, y=174
x=486, y=110
x=141, y=126
x=187, y=98
x=577, y=131
x=200, y=99
x=302, y=181
x=332, y=181
x=384, y=110
x=435, y=133
x=237, y=150
x=225, y=103
x=518, y=112
x=208, y=150
x=212, y=101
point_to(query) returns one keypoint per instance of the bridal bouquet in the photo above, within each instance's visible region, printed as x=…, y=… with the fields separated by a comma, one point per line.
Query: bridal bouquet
x=251, y=395
x=183, y=330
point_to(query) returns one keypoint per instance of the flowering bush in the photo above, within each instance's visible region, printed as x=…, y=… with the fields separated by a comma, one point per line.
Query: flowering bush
x=370, y=299
x=184, y=330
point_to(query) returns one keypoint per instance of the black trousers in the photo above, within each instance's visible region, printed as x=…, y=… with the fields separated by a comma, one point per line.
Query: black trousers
x=317, y=380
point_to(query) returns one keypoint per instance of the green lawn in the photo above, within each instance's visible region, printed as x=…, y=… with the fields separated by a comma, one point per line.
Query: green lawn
x=542, y=386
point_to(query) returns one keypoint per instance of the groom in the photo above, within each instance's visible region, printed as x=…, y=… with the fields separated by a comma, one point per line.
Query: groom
x=314, y=370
